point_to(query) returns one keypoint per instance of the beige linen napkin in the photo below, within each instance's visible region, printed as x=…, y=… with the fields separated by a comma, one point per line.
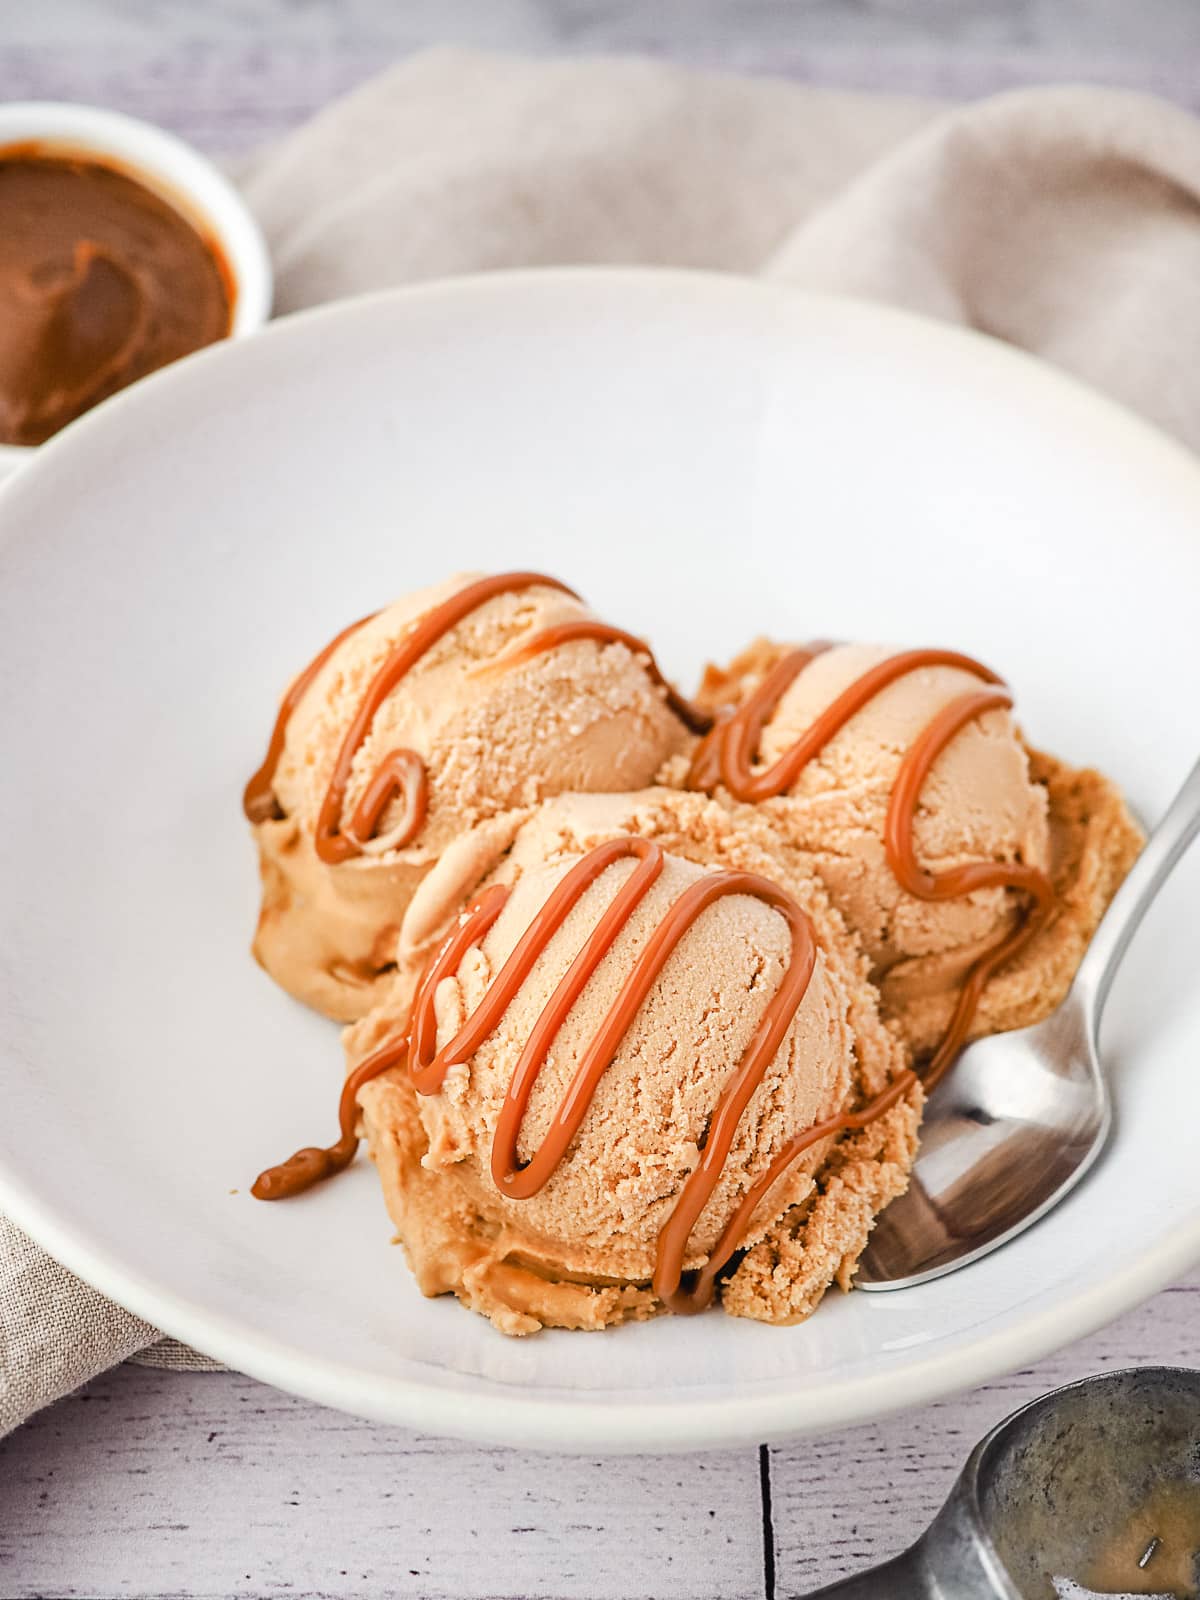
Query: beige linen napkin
x=1066, y=220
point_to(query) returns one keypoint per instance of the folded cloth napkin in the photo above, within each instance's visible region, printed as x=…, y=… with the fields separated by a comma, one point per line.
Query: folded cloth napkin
x=1065, y=220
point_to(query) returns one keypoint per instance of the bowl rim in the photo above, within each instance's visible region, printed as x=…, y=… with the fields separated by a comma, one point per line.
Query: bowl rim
x=171, y=168
x=525, y=1419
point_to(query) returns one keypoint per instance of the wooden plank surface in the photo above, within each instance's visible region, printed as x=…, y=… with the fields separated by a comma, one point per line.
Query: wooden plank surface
x=868, y=1493
x=162, y=1484
x=156, y=1484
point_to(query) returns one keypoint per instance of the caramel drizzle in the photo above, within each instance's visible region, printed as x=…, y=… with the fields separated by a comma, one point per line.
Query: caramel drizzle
x=258, y=800
x=401, y=775
x=312, y=1164
x=690, y=714
x=727, y=756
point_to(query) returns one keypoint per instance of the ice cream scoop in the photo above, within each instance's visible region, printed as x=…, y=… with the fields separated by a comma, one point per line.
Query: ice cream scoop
x=974, y=869
x=624, y=1073
x=831, y=793
x=1092, y=1490
x=455, y=706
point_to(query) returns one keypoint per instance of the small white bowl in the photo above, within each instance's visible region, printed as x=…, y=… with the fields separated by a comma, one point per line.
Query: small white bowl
x=172, y=170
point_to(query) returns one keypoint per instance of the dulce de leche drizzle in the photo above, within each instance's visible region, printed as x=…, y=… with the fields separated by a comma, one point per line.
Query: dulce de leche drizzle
x=258, y=799
x=310, y=1165
x=692, y=717
x=519, y=1180
x=727, y=757
x=401, y=775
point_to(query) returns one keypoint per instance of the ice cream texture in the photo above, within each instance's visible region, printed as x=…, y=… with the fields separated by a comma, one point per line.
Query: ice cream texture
x=978, y=802
x=481, y=816
x=987, y=797
x=489, y=732
x=581, y=1251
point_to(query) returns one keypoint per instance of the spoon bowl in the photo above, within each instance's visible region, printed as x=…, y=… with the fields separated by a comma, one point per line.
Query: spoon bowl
x=1093, y=1489
x=1018, y=1121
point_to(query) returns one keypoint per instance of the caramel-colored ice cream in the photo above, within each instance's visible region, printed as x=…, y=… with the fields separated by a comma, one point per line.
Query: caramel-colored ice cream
x=489, y=733
x=1093, y=843
x=986, y=798
x=978, y=804
x=616, y=1048
x=581, y=1251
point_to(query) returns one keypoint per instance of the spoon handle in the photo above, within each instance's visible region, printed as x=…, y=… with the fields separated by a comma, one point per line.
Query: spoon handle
x=1132, y=900
x=903, y=1578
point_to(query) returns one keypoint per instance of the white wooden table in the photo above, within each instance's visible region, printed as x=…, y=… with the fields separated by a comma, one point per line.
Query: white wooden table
x=156, y=1484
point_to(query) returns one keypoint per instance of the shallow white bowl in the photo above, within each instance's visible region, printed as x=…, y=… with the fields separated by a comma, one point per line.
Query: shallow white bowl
x=173, y=170
x=705, y=459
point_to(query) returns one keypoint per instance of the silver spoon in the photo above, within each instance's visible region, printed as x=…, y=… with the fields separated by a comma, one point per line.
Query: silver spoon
x=1075, y=1486
x=1021, y=1116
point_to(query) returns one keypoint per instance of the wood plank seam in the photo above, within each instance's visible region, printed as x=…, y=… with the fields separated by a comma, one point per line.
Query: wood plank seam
x=768, y=1524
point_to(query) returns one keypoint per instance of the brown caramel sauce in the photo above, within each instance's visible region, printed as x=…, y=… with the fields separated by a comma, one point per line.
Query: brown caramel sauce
x=103, y=279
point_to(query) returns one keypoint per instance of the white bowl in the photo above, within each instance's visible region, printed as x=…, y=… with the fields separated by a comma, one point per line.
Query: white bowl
x=705, y=459
x=175, y=172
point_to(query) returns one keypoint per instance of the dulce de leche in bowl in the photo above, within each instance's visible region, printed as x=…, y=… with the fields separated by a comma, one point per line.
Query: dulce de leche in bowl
x=111, y=263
